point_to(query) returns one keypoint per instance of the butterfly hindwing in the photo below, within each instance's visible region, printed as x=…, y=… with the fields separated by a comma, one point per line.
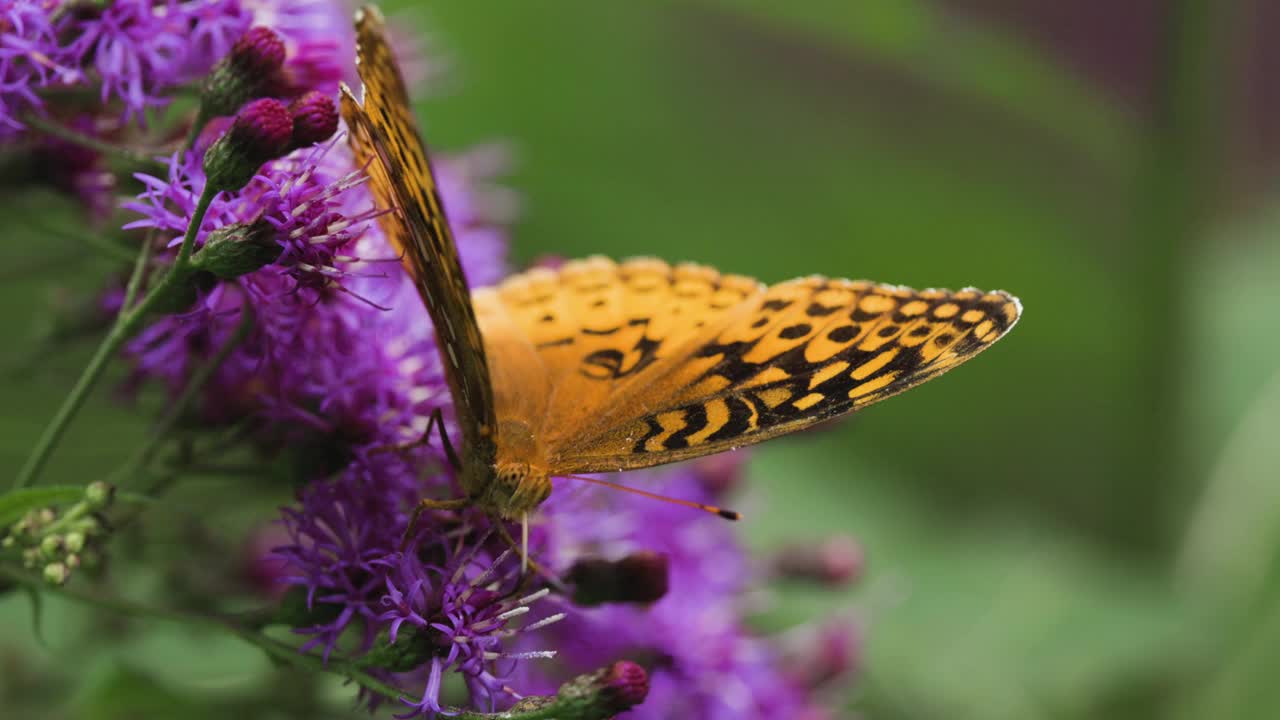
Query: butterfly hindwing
x=739, y=365
x=385, y=137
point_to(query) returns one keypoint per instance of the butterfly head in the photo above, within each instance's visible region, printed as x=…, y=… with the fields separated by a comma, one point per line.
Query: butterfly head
x=514, y=489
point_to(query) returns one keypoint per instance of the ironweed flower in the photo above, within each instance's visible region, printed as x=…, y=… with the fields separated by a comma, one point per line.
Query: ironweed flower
x=139, y=49
x=29, y=56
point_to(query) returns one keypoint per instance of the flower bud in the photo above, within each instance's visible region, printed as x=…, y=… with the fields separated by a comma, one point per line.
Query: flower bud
x=99, y=495
x=261, y=132
x=823, y=655
x=640, y=577
x=56, y=573
x=601, y=694
x=245, y=73
x=626, y=685
x=836, y=561
x=315, y=119
x=74, y=542
x=51, y=546
x=237, y=249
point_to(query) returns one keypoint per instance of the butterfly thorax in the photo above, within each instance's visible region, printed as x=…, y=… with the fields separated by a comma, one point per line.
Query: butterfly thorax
x=518, y=481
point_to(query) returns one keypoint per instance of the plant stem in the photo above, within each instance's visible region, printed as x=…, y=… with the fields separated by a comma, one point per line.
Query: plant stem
x=198, y=380
x=78, y=138
x=127, y=322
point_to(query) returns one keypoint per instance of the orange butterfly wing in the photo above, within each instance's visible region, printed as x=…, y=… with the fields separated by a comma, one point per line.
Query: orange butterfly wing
x=642, y=364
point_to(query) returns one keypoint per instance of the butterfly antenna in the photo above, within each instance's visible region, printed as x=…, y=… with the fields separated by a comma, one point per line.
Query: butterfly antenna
x=713, y=509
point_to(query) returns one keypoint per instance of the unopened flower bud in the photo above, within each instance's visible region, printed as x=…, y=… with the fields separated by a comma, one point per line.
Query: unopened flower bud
x=824, y=655
x=626, y=685
x=56, y=573
x=245, y=73
x=261, y=132
x=315, y=119
x=99, y=495
x=237, y=249
x=601, y=694
x=72, y=561
x=73, y=542
x=640, y=577
x=836, y=561
x=51, y=546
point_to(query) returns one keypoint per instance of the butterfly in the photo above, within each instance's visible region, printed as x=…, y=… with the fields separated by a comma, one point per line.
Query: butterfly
x=602, y=366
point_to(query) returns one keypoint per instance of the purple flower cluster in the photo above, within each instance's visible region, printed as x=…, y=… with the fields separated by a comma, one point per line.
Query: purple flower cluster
x=339, y=358
x=131, y=51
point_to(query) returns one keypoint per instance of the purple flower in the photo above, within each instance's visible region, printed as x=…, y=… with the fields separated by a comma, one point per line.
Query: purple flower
x=77, y=170
x=29, y=58
x=140, y=49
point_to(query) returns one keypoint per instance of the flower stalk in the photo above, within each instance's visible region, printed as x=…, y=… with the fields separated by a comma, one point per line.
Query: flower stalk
x=127, y=322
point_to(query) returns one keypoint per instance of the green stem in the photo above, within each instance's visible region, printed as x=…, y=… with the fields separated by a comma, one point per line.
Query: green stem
x=127, y=322
x=88, y=141
x=74, y=400
x=198, y=380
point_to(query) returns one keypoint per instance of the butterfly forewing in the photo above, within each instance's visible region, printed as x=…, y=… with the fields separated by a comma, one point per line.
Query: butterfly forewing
x=712, y=362
x=385, y=137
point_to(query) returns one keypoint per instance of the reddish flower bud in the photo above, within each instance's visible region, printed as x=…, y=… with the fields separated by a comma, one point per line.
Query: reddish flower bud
x=836, y=561
x=824, y=655
x=315, y=118
x=247, y=72
x=261, y=132
x=259, y=51
x=626, y=685
x=640, y=577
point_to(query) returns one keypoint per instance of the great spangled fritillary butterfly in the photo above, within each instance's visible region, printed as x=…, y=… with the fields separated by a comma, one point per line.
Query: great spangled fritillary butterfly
x=602, y=366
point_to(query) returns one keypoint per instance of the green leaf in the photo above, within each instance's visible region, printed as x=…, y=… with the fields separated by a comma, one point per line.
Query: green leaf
x=16, y=503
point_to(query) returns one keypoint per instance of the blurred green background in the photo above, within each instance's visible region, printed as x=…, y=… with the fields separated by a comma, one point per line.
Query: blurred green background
x=1084, y=522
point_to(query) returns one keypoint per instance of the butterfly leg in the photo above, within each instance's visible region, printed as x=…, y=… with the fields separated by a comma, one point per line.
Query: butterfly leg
x=429, y=504
x=436, y=421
